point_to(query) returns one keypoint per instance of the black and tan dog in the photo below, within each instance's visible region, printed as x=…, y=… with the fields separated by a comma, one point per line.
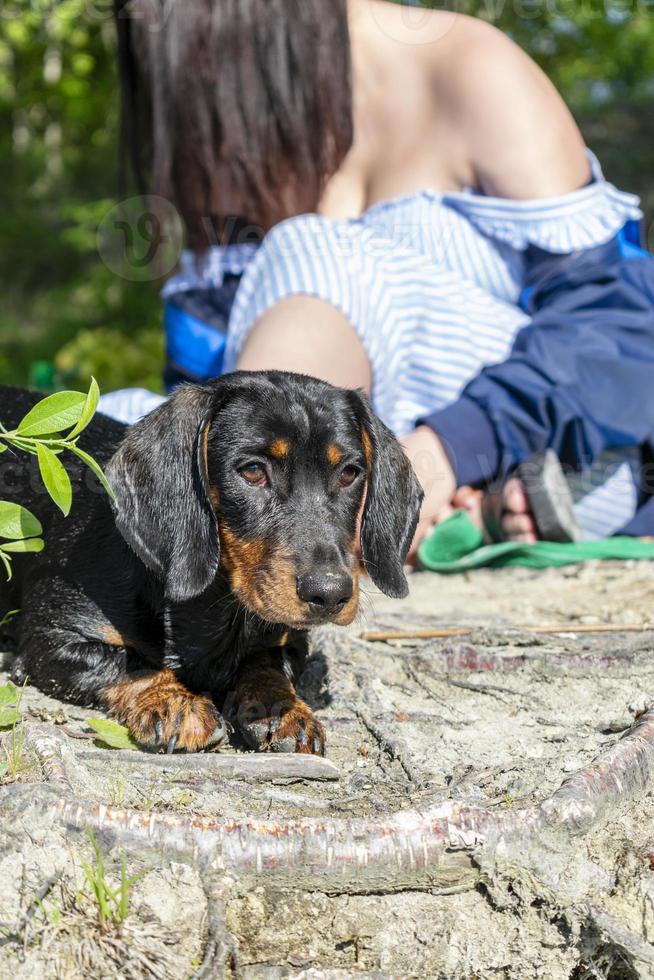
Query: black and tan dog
x=234, y=531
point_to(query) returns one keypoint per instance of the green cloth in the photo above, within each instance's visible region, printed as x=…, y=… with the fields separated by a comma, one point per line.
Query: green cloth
x=457, y=546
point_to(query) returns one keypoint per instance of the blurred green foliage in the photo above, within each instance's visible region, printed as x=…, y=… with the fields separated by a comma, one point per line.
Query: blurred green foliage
x=59, y=165
x=58, y=178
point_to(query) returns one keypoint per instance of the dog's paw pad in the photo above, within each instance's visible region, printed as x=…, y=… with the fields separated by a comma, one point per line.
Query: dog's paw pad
x=220, y=734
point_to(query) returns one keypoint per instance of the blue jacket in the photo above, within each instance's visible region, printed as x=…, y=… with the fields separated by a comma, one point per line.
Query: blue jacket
x=580, y=376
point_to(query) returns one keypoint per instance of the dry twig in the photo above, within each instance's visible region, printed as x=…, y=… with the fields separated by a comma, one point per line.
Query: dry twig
x=380, y=636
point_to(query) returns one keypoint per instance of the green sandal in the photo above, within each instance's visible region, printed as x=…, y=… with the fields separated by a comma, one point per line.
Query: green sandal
x=457, y=545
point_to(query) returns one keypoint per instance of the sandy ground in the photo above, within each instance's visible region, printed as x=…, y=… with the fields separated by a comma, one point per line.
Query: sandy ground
x=496, y=719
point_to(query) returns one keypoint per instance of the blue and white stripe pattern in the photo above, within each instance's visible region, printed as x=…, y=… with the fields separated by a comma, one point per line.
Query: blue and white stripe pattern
x=207, y=271
x=431, y=283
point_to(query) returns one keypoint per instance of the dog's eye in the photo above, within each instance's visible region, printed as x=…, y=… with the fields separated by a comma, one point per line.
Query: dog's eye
x=255, y=474
x=348, y=476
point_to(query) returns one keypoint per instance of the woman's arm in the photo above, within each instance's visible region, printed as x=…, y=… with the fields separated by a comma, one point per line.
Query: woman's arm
x=517, y=134
x=579, y=377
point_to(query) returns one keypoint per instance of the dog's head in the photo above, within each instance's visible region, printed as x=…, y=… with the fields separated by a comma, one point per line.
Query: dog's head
x=265, y=475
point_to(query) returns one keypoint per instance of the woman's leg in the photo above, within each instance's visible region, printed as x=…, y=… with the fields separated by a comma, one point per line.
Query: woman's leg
x=309, y=336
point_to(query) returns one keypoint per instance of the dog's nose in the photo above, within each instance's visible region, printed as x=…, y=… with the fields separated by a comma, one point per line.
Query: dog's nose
x=325, y=592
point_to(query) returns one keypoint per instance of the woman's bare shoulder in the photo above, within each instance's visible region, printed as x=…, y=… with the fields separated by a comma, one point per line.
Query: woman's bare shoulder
x=428, y=35
x=521, y=139
x=402, y=24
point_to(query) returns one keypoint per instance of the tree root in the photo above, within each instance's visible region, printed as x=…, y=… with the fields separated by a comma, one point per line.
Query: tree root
x=435, y=846
x=621, y=772
x=221, y=950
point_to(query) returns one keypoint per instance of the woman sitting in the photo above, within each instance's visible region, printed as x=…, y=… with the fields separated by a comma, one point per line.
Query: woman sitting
x=366, y=201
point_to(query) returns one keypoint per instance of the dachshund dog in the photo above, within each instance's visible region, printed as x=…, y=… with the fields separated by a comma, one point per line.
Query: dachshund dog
x=233, y=532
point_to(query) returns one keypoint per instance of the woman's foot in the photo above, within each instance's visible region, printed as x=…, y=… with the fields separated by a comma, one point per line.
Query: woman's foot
x=504, y=515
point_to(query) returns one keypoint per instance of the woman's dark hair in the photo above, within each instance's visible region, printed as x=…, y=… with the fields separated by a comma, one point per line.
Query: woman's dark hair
x=234, y=107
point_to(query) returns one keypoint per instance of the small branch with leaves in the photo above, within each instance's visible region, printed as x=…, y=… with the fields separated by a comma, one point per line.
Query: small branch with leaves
x=49, y=429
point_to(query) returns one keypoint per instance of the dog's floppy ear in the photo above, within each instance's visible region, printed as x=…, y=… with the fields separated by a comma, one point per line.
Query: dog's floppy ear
x=163, y=511
x=392, y=507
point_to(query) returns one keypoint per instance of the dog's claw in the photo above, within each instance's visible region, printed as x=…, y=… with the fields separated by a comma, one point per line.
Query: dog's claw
x=218, y=735
x=283, y=745
x=256, y=733
x=179, y=721
x=290, y=727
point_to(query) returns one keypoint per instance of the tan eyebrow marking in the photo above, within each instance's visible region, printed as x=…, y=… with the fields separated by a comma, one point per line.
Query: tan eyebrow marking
x=279, y=448
x=112, y=637
x=205, y=448
x=334, y=455
x=213, y=492
x=367, y=448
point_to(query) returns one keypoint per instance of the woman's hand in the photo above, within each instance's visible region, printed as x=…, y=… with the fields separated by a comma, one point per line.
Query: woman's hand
x=433, y=469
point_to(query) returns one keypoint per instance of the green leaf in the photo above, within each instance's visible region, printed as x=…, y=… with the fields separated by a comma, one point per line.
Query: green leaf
x=9, y=717
x=32, y=545
x=3, y=447
x=8, y=694
x=94, y=467
x=111, y=734
x=53, y=414
x=17, y=522
x=7, y=563
x=55, y=478
x=8, y=616
x=88, y=411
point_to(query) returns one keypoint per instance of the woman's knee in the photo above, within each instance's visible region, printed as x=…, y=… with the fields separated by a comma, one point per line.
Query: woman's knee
x=310, y=336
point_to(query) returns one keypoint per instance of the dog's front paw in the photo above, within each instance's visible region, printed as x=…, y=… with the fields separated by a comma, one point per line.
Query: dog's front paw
x=161, y=713
x=289, y=727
